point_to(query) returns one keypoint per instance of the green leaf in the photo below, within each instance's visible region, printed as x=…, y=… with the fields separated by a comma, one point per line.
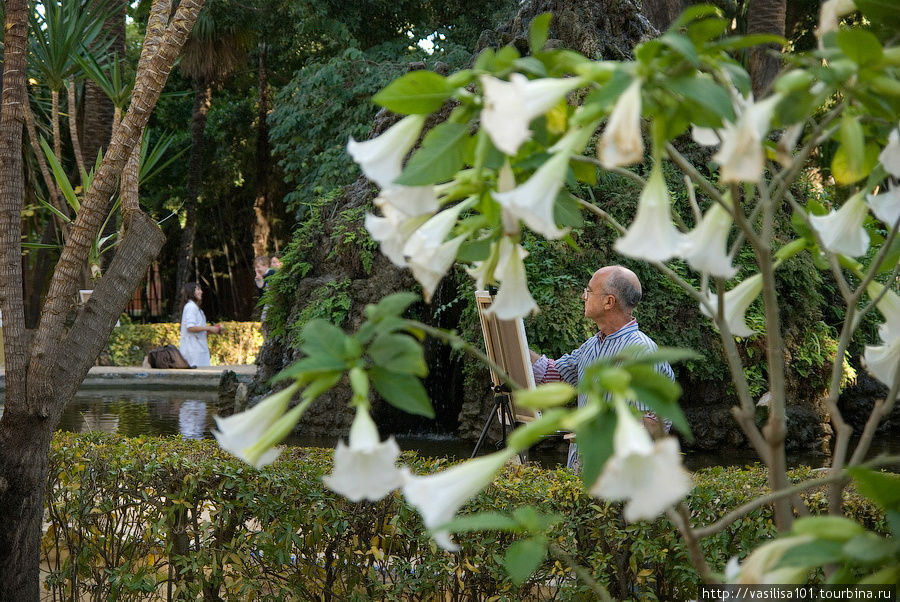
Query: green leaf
x=881, y=487
x=885, y=12
x=811, y=554
x=532, y=432
x=62, y=180
x=392, y=305
x=705, y=92
x=842, y=164
x=439, y=158
x=757, y=39
x=682, y=46
x=869, y=549
x=313, y=364
x=707, y=29
x=322, y=337
x=417, y=92
x=660, y=394
x=584, y=172
x=739, y=77
x=538, y=31
x=398, y=353
x=662, y=354
x=534, y=521
x=567, y=211
x=854, y=142
x=531, y=64
x=862, y=47
x=62, y=216
x=595, y=444
x=693, y=13
x=483, y=521
x=832, y=528
x=403, y=391
x=474, y=250
x=523, y=557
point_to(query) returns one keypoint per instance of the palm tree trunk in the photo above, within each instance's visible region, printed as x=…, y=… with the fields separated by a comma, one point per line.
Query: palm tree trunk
x=20, y=487
x=261, y=209
x=202, y=99
x=54, y=122
x=62, y=351
x=73, y=128
x=765, y=16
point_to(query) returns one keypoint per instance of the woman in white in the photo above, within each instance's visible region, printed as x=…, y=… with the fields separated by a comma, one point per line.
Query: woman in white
x=193, y=344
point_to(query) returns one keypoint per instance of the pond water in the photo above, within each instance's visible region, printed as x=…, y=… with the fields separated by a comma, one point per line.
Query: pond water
x=190, y=413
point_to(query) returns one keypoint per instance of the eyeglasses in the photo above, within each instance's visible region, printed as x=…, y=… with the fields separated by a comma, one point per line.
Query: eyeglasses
x=586, y=292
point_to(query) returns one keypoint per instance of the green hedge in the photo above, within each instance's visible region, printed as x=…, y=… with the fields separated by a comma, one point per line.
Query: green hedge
x=129, y=517
x=128, y=344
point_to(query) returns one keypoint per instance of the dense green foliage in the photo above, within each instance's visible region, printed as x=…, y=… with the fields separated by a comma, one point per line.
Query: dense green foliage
x=123, y=512
x=128, y=344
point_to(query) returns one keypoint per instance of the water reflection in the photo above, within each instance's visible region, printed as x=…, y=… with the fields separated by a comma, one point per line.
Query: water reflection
x=134, y=412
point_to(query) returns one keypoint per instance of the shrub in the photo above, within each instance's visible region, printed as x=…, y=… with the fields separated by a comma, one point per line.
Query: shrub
x=127, y=515
x=129, y=343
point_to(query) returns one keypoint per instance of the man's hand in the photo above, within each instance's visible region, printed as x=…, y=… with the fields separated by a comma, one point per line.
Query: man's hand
x=534, y=356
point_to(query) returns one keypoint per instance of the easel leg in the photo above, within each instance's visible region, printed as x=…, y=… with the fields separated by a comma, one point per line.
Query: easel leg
x=484, y=431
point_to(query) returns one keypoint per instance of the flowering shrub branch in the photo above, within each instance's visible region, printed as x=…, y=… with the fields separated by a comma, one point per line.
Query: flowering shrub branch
x=511, y=157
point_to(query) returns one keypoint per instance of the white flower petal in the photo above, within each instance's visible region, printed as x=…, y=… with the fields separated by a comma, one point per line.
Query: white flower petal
x=704, y=136
x=830, y=15
x=238, y=433
x=533, y=201
x=890, y=154
x=737, y=300
x=366, y=470
x=621, y=143
x=889, y=306
x=705, y=247
x=649, y=475
x=842, y=231
x=759, y=566
x=439, y=496
x=409, y=200
x=381, y=158
x=741, y=157
x=429, y=257
x=886, y=206
x=513, y=300
x=393, y=231
x=510, y=106
x=652, y=235
x=883, y=361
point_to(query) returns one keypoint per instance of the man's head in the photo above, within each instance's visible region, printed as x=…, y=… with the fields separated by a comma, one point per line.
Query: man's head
x=611, y=296
x=261, y=264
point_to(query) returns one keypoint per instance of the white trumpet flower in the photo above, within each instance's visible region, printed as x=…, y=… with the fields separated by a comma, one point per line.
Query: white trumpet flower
x=886, y=206
x=381, y=158
x=238, y=433
x=621, y=143
x=513, y=300
x=366, y=469
x=883, y=361
x=737, y=300
x=705, y=248
x=427, y=255
x=889, y=306
x=439, y=496
x=648, y=474
x=842, y=231
x=830, y=16
x=393, y=231
x=533, y=201
x=411, y=200
x=890, y=154
x=510, y=106
x=759, y=566
x=741, y=157
x=652, y=235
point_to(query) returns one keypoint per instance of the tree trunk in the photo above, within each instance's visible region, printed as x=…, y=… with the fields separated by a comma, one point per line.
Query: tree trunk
x=202, y=99
x=261, y=209
x=20, y=470
x=765, y=16
x=73, y=128
x=41, y=382
x=661, y=13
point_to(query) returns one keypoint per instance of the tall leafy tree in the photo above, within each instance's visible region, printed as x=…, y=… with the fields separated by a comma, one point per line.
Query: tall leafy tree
x=212, y=53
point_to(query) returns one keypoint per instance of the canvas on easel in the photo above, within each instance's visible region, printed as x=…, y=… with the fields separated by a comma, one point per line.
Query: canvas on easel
x=507, y=346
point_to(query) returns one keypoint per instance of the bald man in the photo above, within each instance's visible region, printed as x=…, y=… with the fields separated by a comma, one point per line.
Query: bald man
x=609, y=301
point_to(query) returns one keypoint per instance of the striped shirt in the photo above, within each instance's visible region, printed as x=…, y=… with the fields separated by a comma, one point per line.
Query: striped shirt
x=571, y=367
